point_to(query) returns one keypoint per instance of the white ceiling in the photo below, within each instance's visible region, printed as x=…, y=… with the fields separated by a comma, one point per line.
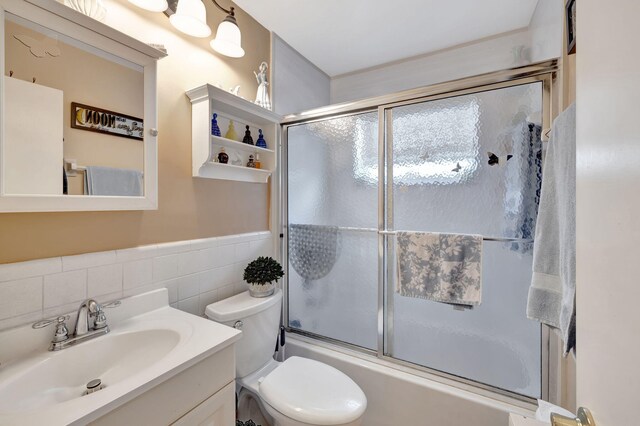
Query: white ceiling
x=340, y=36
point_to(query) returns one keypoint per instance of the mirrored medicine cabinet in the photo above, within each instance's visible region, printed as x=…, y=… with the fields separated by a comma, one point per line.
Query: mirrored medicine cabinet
x=78, y=113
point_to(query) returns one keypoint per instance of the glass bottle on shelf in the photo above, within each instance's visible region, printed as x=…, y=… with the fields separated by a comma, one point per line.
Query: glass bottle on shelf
x=257, y=161
x=247, y=137
x=251, y=163
x=223, y=157
x=231, y=132
x=261, y=143
x=215, y=130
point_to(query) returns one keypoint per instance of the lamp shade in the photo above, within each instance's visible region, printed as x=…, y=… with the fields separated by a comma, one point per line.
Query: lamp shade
x=228, y=40
x=151, y=5
x=191, y=18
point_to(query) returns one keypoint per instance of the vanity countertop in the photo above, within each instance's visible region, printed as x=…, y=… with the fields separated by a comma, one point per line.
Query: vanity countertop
x=149, y=343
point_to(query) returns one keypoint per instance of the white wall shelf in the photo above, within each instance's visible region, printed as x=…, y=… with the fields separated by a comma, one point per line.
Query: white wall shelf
x=228, y=143
x=207, y=100
x=213, y=170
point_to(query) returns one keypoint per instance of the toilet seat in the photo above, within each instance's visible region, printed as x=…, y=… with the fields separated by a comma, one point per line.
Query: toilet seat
x=311, y=392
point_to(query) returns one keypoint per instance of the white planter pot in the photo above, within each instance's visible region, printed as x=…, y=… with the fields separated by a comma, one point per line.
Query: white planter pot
x=262, y=290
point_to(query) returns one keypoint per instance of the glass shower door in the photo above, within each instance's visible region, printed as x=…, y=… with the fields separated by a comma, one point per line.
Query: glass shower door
x=469, y=165
x=332, y=208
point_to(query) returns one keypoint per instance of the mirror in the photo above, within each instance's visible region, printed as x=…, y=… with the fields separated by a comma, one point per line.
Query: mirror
x=78, y=117
x=74, y=123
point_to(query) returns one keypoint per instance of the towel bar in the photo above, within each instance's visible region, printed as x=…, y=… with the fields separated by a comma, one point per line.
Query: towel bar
x=384, y=232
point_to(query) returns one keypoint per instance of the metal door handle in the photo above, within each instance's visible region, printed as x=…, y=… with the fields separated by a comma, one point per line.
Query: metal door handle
x=584, y=418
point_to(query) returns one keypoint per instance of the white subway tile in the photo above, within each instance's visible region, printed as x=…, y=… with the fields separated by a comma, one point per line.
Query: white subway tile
x=137, y=253
x=226, y=275
x=243, y=252
x=104, y=280
x=173, y=247
x=88, y=260
x=137, y=273
x=194, y=261
x=207, y=299
x=223, y=255
x=226, y=292
x=188, y=286
x=165, y=267
x=70, y=309
x=242, y=238
x=240, y=287
x=204, y=243
x=29, y=318
x=261, y=248
x=64, y=288
x=31, y=268
x=191, y=305
x=209, y=280
x=20, y=297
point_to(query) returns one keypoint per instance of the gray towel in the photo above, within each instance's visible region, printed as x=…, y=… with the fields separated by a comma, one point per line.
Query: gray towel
x=313, y=250
x=111, y=181
x=553, y=286
x=445, y=268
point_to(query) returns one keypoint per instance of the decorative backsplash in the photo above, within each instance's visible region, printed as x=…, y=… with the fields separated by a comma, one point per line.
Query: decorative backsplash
x=196, y=273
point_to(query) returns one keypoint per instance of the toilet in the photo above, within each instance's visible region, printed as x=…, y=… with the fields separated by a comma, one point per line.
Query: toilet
x=296, y=392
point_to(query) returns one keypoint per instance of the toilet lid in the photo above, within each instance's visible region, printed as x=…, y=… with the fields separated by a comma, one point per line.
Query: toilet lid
x=312, y=392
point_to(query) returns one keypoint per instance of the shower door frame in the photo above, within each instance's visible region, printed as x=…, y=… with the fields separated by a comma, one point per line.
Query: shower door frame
x=545, y=73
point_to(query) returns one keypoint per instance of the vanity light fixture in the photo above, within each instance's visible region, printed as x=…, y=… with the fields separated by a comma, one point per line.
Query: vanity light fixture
x=228, y=37
x=151, y=5
x=191, y=18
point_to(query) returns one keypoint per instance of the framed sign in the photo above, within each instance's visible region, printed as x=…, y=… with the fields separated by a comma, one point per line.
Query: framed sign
x=571, y=27
x=93, y=119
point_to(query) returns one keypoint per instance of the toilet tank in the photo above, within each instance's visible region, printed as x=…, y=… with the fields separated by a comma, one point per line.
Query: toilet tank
x=260, y=323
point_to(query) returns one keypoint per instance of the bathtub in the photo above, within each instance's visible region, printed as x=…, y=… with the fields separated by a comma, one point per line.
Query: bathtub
x=397, y=395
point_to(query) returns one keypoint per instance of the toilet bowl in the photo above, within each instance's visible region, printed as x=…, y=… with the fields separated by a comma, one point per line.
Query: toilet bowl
x=296, y=392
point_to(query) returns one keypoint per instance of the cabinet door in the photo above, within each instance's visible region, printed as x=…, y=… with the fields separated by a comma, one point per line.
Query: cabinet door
x=217, y=410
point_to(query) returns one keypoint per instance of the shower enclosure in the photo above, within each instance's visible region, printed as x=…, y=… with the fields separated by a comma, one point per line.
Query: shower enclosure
x=461, y=158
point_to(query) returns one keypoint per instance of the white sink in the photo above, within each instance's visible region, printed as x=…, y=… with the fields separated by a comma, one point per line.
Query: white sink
x=60, y=376
x=140, y=352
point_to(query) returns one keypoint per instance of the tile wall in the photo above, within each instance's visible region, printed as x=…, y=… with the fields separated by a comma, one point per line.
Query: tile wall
x=196, y=273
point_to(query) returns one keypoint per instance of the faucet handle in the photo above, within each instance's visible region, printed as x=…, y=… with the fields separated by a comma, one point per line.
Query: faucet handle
x=48, y=322
x=62, y=332
x=113, y=304
x=101, y=318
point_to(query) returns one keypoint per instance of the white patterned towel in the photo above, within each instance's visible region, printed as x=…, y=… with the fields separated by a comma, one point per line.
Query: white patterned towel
x=445, y=268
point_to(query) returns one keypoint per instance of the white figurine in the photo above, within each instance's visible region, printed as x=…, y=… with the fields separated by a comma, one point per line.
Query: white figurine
x=262, y=96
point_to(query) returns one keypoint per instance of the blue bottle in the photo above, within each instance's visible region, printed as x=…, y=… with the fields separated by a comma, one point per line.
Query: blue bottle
x=215, y=130
x=261, y=143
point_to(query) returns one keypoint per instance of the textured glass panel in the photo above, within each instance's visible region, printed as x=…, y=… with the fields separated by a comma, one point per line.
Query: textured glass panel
x=447, y=180
x=332, y=184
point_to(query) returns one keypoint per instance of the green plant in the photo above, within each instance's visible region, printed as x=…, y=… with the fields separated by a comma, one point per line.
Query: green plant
x=263, y=270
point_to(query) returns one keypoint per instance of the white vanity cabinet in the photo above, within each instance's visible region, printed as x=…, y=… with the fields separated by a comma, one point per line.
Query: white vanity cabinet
x=207, y=100
x=203, y=394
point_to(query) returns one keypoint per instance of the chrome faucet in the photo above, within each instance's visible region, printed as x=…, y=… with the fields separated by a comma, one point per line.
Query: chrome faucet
x=91, y=322
x=87, y=309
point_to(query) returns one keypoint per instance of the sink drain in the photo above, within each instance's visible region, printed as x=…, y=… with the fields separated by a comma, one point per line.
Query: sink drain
x=94, y=386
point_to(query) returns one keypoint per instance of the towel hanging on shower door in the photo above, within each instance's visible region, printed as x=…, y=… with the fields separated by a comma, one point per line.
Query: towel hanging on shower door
x=445, y=268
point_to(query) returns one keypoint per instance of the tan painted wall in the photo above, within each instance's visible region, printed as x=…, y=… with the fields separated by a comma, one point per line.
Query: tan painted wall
x=188, y=207
x=88, y=79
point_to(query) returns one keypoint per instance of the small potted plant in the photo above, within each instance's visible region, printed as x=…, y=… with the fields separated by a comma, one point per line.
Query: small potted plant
x=262, y=275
